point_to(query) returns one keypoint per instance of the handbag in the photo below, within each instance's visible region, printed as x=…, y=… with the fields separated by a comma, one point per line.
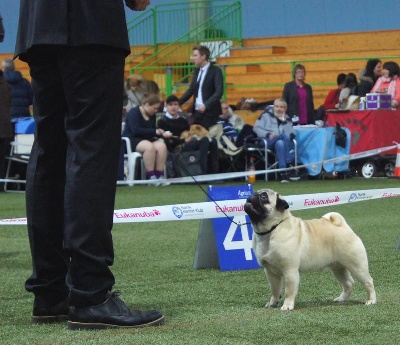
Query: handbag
x=340, y=136
x=187, y=163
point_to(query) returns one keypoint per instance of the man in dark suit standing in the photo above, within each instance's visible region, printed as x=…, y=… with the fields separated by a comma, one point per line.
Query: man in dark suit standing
x=206, y=87
x=76, y=53
x=299, y=97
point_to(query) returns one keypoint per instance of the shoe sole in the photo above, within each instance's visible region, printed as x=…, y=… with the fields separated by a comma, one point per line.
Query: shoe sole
x=49, y=319
x=88, y=326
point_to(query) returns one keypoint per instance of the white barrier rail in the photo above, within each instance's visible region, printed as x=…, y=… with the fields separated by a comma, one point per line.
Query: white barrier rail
x=231, y=208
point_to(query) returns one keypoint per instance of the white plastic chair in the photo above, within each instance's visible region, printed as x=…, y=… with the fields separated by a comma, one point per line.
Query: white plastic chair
x=132, y=158
x=20, y=151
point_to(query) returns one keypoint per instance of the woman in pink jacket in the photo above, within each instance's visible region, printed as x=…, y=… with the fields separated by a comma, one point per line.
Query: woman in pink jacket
x=389, y=82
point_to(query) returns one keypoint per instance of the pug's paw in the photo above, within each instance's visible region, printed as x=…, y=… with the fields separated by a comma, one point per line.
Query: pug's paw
x=287, y=307
x=272, y=304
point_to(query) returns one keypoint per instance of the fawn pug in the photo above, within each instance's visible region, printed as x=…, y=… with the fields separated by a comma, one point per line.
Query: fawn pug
x=286, y=245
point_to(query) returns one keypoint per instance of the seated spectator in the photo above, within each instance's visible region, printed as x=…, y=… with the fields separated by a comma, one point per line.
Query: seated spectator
x=332, y=100
x=173, y=122
x=368, y=76
x=135, y=91
x=299, y=97
x=275, y=125
x=232, y=124
x=141, y=129
x=389, y=82
x=21, y=90
x=350, y=88
x=151, y=87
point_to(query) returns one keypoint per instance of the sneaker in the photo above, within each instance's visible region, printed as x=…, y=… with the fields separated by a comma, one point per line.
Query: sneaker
x=294, y=176
x=165, y=182
x=43, y=312
x=283, y=177
x=293, y=173
x=152, y=178
x=112, y=313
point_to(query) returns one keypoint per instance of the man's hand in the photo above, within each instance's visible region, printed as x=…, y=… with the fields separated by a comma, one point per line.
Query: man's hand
x=137, y=5
x=201, y=108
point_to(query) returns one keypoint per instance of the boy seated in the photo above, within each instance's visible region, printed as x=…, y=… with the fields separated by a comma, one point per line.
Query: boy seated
x=175, y=123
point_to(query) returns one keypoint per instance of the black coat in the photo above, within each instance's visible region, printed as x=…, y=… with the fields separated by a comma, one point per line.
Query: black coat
x=212, y=91
x=72, y=23
x=292, y=99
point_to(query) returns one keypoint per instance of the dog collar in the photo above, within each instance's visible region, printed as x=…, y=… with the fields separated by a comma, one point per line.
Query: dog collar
x=270, y=230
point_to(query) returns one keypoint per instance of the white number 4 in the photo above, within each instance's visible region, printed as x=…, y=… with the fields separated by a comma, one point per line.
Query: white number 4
x=245, y=243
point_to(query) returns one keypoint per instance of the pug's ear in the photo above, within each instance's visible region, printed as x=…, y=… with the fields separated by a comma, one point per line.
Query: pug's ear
x=281, y=204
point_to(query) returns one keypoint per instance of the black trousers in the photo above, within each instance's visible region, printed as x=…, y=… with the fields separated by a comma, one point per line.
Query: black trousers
x=205, y=120
x=72, y=172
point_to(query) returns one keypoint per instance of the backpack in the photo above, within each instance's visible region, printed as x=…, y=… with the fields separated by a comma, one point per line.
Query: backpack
x=186, y=163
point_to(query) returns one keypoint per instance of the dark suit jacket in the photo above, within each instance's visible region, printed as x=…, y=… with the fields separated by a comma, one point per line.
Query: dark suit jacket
x=212, y=90
x=292, y=99
x=72, y=23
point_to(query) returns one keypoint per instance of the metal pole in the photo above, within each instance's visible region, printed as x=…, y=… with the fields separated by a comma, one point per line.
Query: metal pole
x=168, y=81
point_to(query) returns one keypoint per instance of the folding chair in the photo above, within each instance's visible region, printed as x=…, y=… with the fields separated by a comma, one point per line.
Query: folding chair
x=252, y=147
x=231, y=156
x=20, y=151
x=230, y=152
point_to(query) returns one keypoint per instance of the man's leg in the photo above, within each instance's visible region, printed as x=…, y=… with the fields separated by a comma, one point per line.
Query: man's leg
x=93, y=78
x=280, y=150
x=213, y=149
x=71, y=188
x=276, y=145
x=45, y=183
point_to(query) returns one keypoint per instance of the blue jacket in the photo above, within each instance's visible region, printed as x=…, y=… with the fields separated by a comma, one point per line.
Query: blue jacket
x=21, y=94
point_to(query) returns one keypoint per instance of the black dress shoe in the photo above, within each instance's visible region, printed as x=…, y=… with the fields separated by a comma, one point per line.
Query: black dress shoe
x=45, y=312
x=113, y=312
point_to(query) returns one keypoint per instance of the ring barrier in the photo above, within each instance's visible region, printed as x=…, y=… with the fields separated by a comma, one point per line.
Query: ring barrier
x=233, y=208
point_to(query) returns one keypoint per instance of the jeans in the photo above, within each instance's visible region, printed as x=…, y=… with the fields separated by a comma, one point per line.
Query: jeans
x=282, y=145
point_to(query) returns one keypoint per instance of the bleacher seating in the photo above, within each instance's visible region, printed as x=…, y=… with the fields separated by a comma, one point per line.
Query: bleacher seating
x=263, y=65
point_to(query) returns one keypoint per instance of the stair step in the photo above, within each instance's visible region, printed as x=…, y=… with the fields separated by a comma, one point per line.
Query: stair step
x=257, y=51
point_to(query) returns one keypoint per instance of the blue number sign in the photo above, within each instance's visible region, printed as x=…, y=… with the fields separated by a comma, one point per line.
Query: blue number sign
x=233, y=236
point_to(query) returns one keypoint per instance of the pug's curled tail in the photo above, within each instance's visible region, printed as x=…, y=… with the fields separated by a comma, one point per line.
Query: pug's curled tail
x=335, y=218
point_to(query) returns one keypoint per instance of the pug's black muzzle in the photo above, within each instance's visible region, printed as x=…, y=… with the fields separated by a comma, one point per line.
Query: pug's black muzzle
x=255, y=208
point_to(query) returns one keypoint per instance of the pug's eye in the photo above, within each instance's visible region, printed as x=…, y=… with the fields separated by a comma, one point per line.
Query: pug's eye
x=264, y=197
